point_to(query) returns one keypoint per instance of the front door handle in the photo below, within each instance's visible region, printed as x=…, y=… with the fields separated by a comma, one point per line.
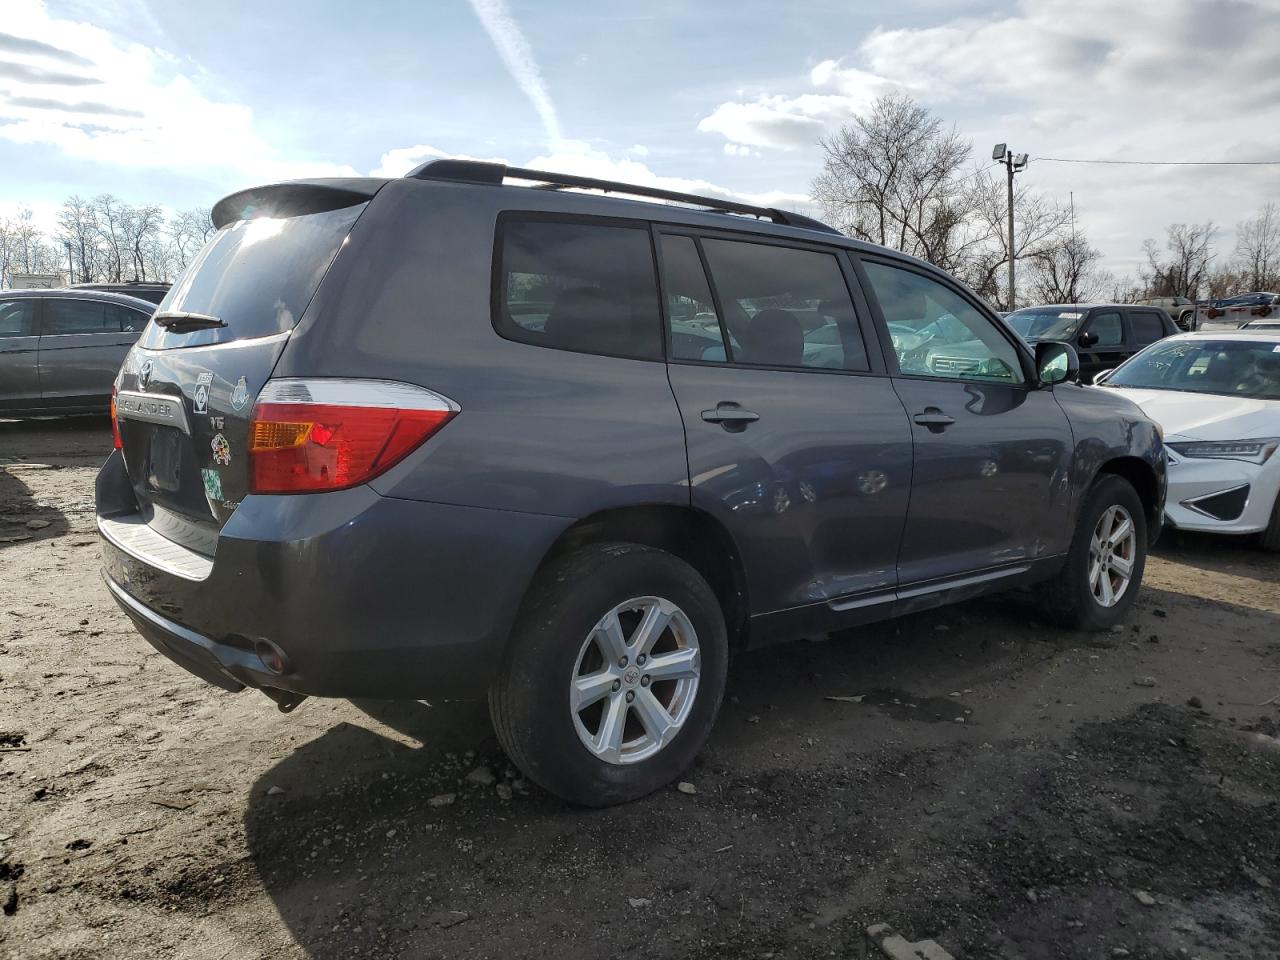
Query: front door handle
x=730, y=416
x=933, y=418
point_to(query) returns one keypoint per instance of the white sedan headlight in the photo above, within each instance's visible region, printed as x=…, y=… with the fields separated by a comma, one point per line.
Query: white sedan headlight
x=1252, y=451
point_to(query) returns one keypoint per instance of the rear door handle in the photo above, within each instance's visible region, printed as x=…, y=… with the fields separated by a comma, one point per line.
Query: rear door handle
x=933, y=417
x=730, y=416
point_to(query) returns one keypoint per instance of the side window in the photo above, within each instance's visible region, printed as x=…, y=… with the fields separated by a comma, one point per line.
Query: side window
x=75, y=316
x=937, y=333
x=1108, y=328
x=785, y=307
x=1147, y=327
x=691, y=311
x=17, y=318
x=577, y=286
x=125, y=319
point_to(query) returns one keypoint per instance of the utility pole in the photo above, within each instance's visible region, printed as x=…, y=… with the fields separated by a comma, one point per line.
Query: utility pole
x=1013, y=163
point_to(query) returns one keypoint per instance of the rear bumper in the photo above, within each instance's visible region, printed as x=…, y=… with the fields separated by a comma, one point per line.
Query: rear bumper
x=367, y=596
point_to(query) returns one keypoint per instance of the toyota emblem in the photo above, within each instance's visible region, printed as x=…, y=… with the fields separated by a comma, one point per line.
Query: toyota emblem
x=144, y=375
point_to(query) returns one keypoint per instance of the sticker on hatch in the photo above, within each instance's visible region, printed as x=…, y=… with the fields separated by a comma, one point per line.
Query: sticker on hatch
x=212, y=484
x=221, y=450
x=240, y=394
x=201, y=398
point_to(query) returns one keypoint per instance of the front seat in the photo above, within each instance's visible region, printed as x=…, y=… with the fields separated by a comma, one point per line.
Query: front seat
x=774, y=338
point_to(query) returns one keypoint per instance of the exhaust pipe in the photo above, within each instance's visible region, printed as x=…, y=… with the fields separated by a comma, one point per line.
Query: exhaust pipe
x=285, y=700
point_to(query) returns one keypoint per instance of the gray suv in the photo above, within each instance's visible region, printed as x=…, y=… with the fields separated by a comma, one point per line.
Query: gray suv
x=60, y=350
x=449, y=436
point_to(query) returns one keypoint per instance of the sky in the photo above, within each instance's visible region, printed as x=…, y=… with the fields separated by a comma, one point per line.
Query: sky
x=179, y=102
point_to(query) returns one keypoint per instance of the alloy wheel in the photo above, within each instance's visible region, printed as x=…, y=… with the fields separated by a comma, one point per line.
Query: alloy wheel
x=1113, y=551
x=635, y=680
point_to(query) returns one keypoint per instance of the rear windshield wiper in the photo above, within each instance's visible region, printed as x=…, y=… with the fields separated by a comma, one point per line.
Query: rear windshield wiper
x=176, y=321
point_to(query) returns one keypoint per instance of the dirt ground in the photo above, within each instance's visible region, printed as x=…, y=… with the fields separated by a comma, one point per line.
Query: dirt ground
x=1005, y=788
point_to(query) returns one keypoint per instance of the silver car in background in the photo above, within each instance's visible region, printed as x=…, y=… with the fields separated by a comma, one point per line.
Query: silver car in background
x=60, y=350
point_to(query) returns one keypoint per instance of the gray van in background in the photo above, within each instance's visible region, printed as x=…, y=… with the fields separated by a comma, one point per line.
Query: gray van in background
x=60, y=350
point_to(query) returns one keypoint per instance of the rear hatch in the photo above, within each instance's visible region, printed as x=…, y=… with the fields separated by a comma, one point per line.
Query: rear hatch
x=186, y=392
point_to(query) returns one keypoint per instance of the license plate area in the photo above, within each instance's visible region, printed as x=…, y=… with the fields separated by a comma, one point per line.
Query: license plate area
x=164, y=462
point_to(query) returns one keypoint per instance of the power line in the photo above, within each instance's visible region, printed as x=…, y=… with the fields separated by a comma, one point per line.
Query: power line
x=1169, y=163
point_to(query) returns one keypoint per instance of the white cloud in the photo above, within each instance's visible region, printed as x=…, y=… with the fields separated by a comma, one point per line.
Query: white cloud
x=799, y=121
x=1146, y=79
x=516, y=54
x=398, y=162
x=99, y=98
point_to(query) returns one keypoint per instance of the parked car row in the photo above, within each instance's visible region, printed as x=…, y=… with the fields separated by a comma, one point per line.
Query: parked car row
x=1236, y=311
x=1104, y=335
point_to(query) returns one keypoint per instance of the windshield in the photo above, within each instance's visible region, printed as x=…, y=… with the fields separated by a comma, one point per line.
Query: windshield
x=1057, y=323
x=1241, y=368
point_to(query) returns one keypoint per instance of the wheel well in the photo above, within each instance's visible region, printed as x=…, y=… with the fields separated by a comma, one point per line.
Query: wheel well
x=1142, y=478
x=692, y=535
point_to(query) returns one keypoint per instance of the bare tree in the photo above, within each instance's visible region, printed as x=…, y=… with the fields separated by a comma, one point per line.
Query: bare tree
x=1185, y=268
x=140, y=227
x=897, y=177
x=1257, y=254
x=891, y=176
x=1066, y=271
x=189, y=230
x=109, y=217
x=1126, y=289
x=78, y=226
x=1039, y=225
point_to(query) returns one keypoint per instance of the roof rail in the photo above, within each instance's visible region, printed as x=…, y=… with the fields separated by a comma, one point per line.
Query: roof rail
x=479, y=171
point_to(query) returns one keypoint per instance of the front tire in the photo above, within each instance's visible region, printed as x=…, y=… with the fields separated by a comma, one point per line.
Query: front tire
x=1270, y=537
x=613, y=676
x=1103, y=572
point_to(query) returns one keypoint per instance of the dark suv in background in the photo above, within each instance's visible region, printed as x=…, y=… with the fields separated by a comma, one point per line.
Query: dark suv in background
x=445, y=435
x=1104, y=335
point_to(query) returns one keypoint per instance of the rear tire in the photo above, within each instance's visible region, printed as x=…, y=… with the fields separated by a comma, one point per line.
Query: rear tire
x=1103, y=572
x=1270, y=538
x=599, y=619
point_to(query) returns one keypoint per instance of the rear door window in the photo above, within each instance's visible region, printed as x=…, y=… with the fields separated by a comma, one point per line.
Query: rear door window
x=580, y=286
x=18, y=317
x=784, y=307
x=1147, y=327
x=126, y=319
x=257, y=276
x=78, y=316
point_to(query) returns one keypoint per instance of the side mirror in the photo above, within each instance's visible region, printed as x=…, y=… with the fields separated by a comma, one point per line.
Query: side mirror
x=1088, y=338
x=1056, y=362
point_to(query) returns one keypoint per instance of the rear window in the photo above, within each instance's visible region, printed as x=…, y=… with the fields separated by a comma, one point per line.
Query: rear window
x=255, y=275
x=578, y=286
x=1147, y=327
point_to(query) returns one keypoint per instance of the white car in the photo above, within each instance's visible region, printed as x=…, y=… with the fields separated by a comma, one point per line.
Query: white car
x=1217, y=396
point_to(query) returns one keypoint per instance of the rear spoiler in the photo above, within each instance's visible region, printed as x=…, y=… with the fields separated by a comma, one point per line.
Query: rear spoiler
x=294, y=198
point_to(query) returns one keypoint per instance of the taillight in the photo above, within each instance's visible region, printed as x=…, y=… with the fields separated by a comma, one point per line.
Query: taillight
x=307, y=436
x=115, y=423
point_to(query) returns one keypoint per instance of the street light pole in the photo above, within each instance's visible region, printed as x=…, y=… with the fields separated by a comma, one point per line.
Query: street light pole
x=71, y=268
x=1012, y=283
x=1013, y=163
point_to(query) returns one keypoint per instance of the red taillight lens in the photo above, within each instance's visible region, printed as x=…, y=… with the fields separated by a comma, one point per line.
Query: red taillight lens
x=307, y=436
x=115, y=423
